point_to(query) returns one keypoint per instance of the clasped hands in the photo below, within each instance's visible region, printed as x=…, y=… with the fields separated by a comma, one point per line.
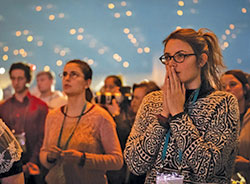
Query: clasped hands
x=70, y=155
x=173, y=93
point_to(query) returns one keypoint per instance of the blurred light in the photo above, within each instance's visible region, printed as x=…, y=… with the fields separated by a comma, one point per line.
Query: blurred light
x=146, y=49
x=239, y=61
x=30, y=38
x=61, y=15
x=6, y=49
x=59, y=62
x=52, y=17
x=123, y=3
x=233, y=36
x=56, y=50
x=111, y=6
x=128, y=13
x=226, y=44
x=178, y=27
x=101, y=51
x=90, y=61
x=24, y=54
x=119, y=59
x=25, y=32
x=40, y=43
x=126, y=30
x=243, y=10
x=32, y=67
x=224, y=37
x=79, y=37
x=181, y=3
x=72, y=31
x=115, y=56
x=62, y=53
x=130, y=36
x=195, y=1
x=125, y=64
x=2, y=70
x=117, y=15
x=5, y=57
x=46, y=68
x=21, y=51
x=80, y=30
x=15, y=52
x=18, y=33
x=38, y=8
x=231, y=26
x=139, y=50
x=180, y=12
x=133, y=40
x=227, y=31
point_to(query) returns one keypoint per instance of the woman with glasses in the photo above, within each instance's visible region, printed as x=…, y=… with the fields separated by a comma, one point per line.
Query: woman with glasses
x=80, y=142
x=235, y=82
x=189, y=129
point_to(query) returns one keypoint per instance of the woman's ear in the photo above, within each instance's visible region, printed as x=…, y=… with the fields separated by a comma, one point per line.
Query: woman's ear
x=203, y=59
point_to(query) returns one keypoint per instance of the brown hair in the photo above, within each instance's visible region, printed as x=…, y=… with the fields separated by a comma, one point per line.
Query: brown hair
x=87, y=71
x=203, y=41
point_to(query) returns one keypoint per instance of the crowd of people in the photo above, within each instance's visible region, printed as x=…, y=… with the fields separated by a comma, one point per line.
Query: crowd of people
x=193, y=128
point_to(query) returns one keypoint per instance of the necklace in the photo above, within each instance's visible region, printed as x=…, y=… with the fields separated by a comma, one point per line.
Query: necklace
x=66, y=110
x=72, y=133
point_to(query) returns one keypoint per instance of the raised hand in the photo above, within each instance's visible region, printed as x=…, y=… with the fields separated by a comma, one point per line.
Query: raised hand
x=175, y=92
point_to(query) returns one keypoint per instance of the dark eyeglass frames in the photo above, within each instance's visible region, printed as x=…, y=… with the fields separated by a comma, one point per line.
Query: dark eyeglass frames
x=177, y=57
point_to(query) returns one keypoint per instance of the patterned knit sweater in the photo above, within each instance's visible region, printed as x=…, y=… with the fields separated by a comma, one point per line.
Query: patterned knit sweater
x=206, y=134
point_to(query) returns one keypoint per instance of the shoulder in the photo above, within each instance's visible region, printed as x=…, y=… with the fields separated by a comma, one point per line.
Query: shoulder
x=54, y=113
x=153, y=97
x=37, y=101
x=101, y=114
x=222, y=96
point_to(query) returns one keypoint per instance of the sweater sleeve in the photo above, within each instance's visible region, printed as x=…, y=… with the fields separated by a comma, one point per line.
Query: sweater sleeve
x=206, y=154
x=145, y=138
x=112, y=158
x=43, y=152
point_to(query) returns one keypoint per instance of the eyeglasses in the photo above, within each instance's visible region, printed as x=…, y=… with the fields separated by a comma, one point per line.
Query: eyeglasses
x=72, y=75
x=178, y=57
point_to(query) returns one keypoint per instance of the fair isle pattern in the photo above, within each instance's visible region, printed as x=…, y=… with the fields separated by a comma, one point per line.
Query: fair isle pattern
x=206, y=134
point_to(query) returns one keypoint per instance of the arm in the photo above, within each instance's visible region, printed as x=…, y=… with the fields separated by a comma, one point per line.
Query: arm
x=112, y=158
x=45, y=147
x=210, y=154
x=146, y=136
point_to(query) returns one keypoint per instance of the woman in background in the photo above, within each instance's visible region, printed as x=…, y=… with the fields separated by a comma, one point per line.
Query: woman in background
x=235, y=82
x=80, y=142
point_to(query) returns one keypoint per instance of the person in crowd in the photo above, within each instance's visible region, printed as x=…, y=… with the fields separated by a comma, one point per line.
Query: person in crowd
x=10, y=151
x=45, y=83
x=235, y=82
x=121, y=112
x=139, y=92
x=80, y=142
x=23, y=113
x=189, y=129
